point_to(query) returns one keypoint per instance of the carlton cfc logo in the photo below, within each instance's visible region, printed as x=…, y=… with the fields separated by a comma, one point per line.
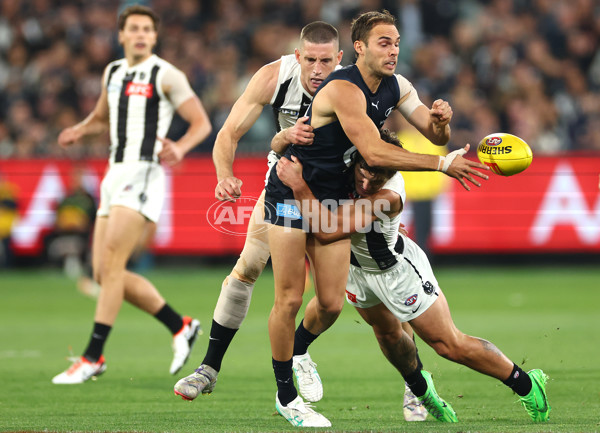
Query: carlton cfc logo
x=493, y=141
x=140, y=89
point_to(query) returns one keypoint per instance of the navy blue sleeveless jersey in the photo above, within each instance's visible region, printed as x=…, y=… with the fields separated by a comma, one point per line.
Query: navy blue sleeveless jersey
x=326, y=163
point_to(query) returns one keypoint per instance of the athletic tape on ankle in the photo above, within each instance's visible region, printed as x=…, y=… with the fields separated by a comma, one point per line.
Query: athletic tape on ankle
x=233, y=303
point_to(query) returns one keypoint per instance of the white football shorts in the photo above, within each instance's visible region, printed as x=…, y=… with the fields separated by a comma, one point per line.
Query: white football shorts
x=272, y=159
x=407, y=289
x=137, y=185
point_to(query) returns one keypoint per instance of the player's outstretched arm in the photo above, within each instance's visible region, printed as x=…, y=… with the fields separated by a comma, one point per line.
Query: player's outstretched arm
x=243, y=115
x=300, y=134
x=348, y=105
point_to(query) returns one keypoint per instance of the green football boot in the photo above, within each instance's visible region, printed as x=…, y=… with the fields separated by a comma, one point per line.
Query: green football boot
x=434, y=404
x=536, y=402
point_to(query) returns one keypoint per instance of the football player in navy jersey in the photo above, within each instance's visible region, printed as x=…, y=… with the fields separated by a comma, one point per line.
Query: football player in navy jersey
x=346, y=114
x=140, y=94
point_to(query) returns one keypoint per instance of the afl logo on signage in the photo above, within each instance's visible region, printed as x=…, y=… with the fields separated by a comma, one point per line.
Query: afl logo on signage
x=493, y=141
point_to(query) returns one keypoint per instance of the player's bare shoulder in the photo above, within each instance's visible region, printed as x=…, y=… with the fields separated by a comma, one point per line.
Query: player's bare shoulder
x=409, y=99
x=263, y=83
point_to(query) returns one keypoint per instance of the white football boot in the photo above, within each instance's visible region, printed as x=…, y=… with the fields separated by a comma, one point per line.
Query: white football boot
x=309, y=381
x=300, y=414
x=80, y=371
x=183, y=342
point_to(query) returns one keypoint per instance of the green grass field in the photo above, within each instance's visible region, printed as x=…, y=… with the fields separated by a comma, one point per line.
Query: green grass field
x=540, y=317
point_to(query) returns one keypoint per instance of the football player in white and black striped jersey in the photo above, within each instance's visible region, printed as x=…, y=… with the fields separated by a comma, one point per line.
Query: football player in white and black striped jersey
x=390, y=281
x=140, y=94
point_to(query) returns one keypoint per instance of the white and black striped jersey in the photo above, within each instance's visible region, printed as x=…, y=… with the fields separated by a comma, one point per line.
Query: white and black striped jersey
x=381, y=247
x=290, y=99
x=139, y=110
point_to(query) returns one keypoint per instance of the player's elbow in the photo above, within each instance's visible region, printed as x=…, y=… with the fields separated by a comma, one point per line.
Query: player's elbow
x=201, y=122
x=375, y=159
x=206, y=130
x=229, y=134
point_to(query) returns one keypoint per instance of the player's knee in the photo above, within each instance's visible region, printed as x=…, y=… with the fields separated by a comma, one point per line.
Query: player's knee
x=249, y=277
x=332, y=311
x=289, y=304
x=387, y=337
x=442, y=349
x=449, y=349
x=252, y=261
x=96, y=274
x=110, y=269
x=330, y=307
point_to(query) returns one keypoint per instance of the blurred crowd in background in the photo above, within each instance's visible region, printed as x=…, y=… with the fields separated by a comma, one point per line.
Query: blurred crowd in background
x=528, y=67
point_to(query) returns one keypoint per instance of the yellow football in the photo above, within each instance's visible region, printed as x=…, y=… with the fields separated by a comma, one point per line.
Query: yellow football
x=505, y=154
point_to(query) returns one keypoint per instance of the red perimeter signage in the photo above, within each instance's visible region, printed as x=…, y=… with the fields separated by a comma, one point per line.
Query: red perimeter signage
x=554, y=206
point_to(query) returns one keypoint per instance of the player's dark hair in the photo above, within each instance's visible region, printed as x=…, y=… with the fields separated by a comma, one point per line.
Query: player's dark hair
x=389, y=137
x=138, y=10
x=362, y=25
x=319, y=32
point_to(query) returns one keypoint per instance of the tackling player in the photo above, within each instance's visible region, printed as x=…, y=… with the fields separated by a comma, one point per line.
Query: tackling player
x=391, y=281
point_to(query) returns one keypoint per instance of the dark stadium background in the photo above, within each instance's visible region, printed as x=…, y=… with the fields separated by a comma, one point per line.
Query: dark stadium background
x=526, y=67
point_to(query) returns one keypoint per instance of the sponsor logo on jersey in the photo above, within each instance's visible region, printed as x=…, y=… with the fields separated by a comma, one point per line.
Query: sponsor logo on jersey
x=288, y=211
x=410, y=301
x=493, y=141
x=289, y=112
x=351, y=296
x=140, y=89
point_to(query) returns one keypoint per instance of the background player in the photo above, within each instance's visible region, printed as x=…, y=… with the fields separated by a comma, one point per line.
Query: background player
x=391, y=281
x=140, y=94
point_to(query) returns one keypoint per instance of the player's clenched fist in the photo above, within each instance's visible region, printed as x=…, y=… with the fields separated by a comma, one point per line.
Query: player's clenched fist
x=228, y=189
x=441, y=112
